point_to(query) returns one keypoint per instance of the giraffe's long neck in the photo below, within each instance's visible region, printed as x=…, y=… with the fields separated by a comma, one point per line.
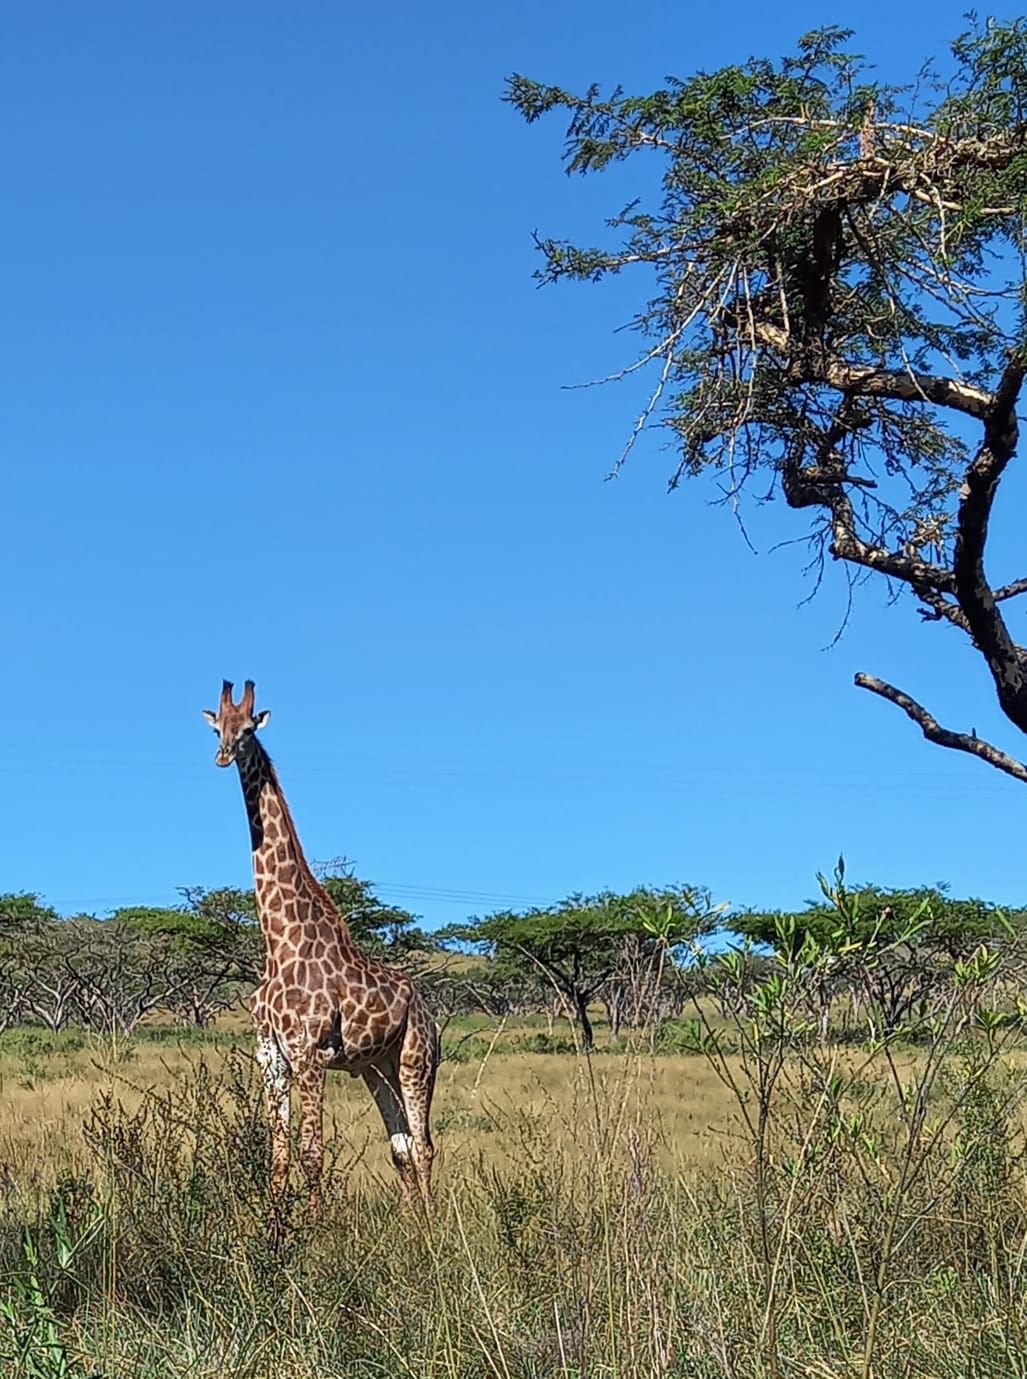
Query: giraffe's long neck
x=287, y=890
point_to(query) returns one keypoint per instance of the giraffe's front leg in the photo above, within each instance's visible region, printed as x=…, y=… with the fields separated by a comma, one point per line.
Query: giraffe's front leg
x=277, y=1077
x=310, y=1080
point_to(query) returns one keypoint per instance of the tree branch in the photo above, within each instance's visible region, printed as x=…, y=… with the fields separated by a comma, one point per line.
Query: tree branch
x=801, y=491
x=975, y=611
x=941, y=608
x=863, y=381
x=1010, y=591
x=976, y=496
x=943, y=737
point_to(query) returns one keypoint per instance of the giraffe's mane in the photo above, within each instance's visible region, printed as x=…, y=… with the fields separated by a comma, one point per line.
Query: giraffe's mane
x=294, y=838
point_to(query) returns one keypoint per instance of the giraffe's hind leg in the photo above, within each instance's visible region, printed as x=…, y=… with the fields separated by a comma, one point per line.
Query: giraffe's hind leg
x=382, y=1079
x=418, y=1064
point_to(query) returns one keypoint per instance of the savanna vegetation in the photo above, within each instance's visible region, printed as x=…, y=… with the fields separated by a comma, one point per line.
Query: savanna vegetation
x=672, y=1141
x=793, y=1147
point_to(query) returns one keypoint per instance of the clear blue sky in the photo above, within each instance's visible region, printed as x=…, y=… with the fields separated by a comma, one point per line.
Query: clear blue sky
x=281, y=401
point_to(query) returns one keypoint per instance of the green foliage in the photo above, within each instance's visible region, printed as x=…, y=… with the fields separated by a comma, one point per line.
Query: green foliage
x=879, y=917
x=213, y=943
x=224, y=907
x=34, y=1344
x=584, y=929
x=21, y=910
x=896, y=953
x=192, y=960
x=752, y=154
x=385, y=930
x=224, y=919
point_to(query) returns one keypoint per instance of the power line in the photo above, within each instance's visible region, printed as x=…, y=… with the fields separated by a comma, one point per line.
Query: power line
x=441, y=769
x=667, y=780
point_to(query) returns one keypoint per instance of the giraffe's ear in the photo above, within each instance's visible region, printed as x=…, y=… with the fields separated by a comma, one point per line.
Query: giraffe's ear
x=262, y=718
x=211, y=717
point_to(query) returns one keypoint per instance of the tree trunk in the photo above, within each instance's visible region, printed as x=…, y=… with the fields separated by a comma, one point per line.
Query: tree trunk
x=614, y=1003
x=581, y=1007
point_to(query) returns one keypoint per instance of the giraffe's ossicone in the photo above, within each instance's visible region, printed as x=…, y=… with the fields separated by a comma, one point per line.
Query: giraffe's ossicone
x=322, y=1003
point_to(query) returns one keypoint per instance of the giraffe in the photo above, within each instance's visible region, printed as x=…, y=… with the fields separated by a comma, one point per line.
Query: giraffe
x=321, y=1003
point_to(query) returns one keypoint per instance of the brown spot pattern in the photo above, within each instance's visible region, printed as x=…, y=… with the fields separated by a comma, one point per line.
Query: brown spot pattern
x=321, y=1003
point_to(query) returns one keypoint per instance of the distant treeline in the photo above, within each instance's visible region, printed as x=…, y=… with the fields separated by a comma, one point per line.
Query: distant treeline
x=880, y=959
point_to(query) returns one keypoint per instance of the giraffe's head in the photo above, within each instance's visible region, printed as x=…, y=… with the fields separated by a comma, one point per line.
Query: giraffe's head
x=235, y=724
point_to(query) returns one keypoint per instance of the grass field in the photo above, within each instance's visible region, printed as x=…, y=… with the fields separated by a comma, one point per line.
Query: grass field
x=602, y=1217
x=48, y=1084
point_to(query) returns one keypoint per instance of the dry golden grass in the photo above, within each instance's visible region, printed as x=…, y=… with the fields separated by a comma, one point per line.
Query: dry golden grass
x=484, y=1108
x=597, y=1218
x=48, y=1095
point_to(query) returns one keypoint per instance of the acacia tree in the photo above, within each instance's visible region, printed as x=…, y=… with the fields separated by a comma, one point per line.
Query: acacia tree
x=213, y=947
x=120, y=974
x=838, y=317
x=580, y=945
x=23, y=916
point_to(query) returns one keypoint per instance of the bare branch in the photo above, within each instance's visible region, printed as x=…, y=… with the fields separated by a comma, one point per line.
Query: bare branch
x=943, y=737
x=1010, y=591
x=941, y=608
